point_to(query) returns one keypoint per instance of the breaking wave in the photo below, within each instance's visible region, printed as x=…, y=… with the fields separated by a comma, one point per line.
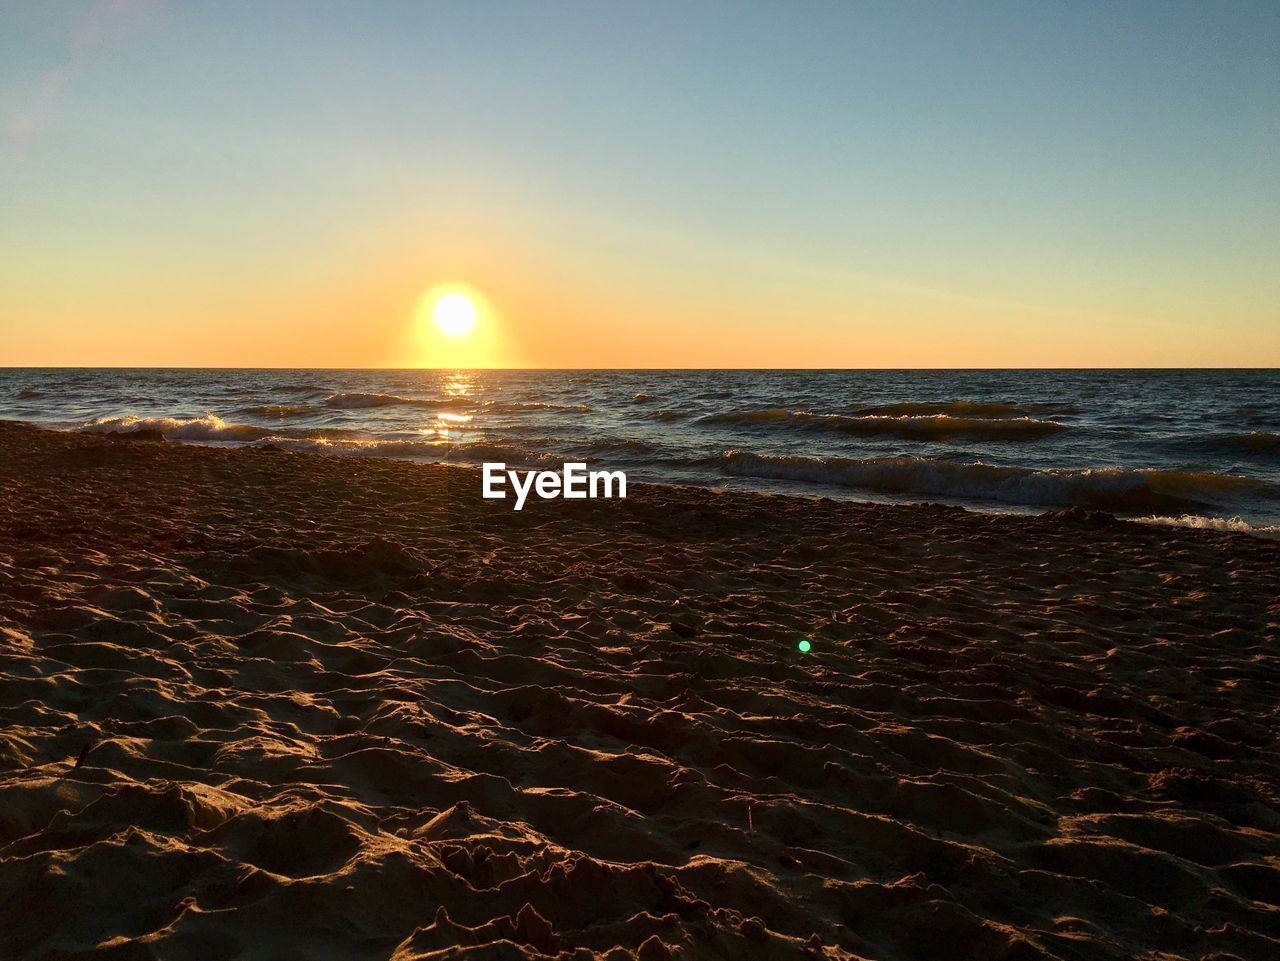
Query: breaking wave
x=1200, y=522
x=924, y=427
x=210, y=427
x=1123, y=489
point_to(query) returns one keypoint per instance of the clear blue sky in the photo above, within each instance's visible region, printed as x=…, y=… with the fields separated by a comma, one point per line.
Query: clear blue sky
x=1069, y=182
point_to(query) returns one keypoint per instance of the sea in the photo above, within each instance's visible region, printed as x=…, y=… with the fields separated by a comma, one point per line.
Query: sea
x=1191, y=447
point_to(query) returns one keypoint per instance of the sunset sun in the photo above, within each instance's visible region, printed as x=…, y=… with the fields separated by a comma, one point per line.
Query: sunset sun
x=457, y=326
x=454, y=314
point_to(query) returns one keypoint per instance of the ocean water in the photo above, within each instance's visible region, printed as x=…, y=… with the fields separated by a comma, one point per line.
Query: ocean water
x=1200, y=447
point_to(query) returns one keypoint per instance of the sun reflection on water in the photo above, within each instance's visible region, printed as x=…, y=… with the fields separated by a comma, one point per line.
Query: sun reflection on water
x=458, y=384
x=450, y=426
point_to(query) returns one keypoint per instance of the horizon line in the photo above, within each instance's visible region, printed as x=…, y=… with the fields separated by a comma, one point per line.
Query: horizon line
x=5, y=367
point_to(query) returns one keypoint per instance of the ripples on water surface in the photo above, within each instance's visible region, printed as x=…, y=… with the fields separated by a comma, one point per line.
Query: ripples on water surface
x=1142, y=442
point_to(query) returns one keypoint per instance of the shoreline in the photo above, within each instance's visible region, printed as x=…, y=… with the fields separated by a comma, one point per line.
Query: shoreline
x=355, y=709
x=1177, y=513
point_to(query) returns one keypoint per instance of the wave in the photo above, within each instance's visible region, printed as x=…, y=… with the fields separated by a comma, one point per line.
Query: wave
x=511, y=407
x=28, y=393
x=925, y=427
x=643, y=398
x=280, y=410
x=304, y=388
x=336, y=440
x=666, y=415
x=1200, y=522
x=749, y=417
x=363, y=401
x=210, y=427
x=1251, y=444
x=360, y=401
x=471, y=453
x=967, y=408
x=1122, y=489
x=357, y=400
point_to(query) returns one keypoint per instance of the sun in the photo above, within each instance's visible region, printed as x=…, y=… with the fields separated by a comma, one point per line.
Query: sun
x=454, y=314
x=457, y=326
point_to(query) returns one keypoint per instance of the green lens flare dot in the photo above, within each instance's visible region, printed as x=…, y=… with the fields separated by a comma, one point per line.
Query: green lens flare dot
x=804, y=646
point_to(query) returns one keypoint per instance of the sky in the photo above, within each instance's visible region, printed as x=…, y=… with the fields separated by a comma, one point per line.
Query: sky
x=649, y=184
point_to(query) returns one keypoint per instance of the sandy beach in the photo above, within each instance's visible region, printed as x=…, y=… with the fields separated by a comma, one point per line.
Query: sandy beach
x=264, y=704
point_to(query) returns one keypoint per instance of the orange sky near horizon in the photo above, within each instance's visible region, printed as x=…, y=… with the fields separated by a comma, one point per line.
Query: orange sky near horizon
x=885, y=326
x=566, y=313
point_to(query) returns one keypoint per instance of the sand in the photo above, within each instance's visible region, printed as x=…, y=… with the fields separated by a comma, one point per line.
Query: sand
x=260, y=704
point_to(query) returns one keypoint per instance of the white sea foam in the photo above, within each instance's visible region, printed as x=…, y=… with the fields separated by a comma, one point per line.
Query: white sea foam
x=1201, y=522
x=208, y=427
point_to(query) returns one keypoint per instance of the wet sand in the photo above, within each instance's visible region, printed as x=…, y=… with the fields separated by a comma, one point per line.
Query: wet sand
x=274, y=705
